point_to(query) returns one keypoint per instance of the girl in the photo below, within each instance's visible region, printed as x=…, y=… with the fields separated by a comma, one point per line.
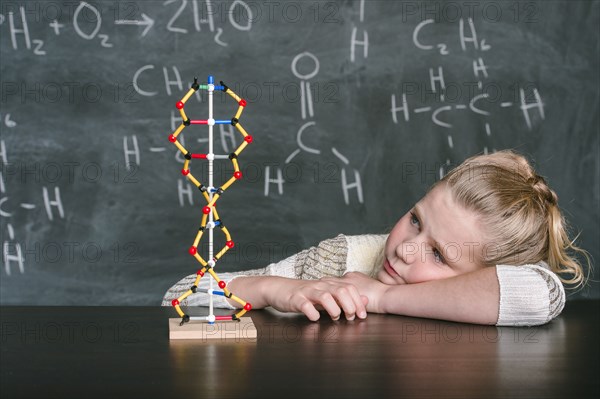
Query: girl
x=447, y=258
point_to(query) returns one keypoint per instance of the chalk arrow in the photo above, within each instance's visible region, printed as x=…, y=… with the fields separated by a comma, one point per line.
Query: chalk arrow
x=147, y=21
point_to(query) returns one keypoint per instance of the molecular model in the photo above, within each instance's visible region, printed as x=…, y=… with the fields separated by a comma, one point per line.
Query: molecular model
x=210, y=218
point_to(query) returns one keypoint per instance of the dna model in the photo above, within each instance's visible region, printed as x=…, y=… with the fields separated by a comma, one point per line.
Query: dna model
x=211, y=193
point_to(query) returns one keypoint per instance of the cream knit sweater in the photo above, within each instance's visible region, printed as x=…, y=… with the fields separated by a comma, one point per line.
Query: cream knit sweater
x=529, y=294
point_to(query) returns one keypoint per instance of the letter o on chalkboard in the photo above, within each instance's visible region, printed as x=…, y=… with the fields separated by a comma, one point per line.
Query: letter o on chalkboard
x=308, y=75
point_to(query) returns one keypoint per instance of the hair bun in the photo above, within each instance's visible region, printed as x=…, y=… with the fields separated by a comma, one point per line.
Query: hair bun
x=545, y=193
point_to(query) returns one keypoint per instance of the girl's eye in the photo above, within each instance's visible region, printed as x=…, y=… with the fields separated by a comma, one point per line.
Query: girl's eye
x=438, y=256
x=413, y=219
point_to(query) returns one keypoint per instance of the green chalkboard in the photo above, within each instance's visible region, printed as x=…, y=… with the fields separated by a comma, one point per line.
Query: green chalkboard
x=355, y=107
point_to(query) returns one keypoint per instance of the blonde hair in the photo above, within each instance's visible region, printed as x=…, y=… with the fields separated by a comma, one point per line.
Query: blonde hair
x=520, y=215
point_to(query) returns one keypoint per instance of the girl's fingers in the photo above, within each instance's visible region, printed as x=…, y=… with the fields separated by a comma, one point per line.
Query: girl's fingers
x=329, y=304
x=347, y=298
x=333, y=297
x=351, y=303
x=309, y=311
x=361, y=310
x=365, y=300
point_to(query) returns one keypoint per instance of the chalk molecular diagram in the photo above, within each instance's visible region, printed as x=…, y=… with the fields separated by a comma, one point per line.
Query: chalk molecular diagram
x=210, y=218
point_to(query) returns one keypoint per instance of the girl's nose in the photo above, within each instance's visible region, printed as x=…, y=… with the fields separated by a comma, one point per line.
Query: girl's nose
x=408, y=251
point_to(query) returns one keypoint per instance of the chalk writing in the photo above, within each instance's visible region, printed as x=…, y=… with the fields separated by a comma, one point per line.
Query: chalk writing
x=467, y=36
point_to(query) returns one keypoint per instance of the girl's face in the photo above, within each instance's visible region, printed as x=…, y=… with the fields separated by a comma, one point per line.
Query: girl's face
x=436, y=239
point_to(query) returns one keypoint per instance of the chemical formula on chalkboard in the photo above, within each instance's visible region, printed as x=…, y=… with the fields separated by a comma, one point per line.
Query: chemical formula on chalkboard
x=466, y=36
x=88, y=20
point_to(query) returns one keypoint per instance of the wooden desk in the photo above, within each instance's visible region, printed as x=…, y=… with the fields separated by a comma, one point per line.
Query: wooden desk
x=108, y=352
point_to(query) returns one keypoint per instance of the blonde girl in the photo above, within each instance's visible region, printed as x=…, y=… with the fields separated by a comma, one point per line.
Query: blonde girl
x=487, y=244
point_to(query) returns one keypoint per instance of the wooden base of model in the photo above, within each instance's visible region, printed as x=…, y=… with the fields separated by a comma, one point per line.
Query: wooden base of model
x=235, y=331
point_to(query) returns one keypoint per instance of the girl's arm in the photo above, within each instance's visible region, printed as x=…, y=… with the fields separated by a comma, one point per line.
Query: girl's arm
x=333, y=295
x=289, y=285
x=501, y=295
x=470, y=298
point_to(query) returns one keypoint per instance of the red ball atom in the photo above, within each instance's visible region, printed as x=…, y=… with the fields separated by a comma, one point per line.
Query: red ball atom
x=229, y=244
x=248, y=139
x=206, y=210
x=185, y=172
x=247, y=306
x=172, y=138
x=243, y=102
x=192, y=250
x=221, y=284
x=237, y=175
x=175, y=302
x=200, y=273
x=179, y=105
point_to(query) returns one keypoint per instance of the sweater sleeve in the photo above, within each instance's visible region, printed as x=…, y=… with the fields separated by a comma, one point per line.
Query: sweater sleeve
x=529, y=295
x=365, y=253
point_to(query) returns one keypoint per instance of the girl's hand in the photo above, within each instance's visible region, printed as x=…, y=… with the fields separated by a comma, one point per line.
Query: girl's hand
x=334, y=295
x=368, y=287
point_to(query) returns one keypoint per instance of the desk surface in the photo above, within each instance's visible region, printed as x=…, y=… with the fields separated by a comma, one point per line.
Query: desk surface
x=102, y=352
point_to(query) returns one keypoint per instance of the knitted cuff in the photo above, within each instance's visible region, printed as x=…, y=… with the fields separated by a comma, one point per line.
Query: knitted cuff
x=529, y=295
